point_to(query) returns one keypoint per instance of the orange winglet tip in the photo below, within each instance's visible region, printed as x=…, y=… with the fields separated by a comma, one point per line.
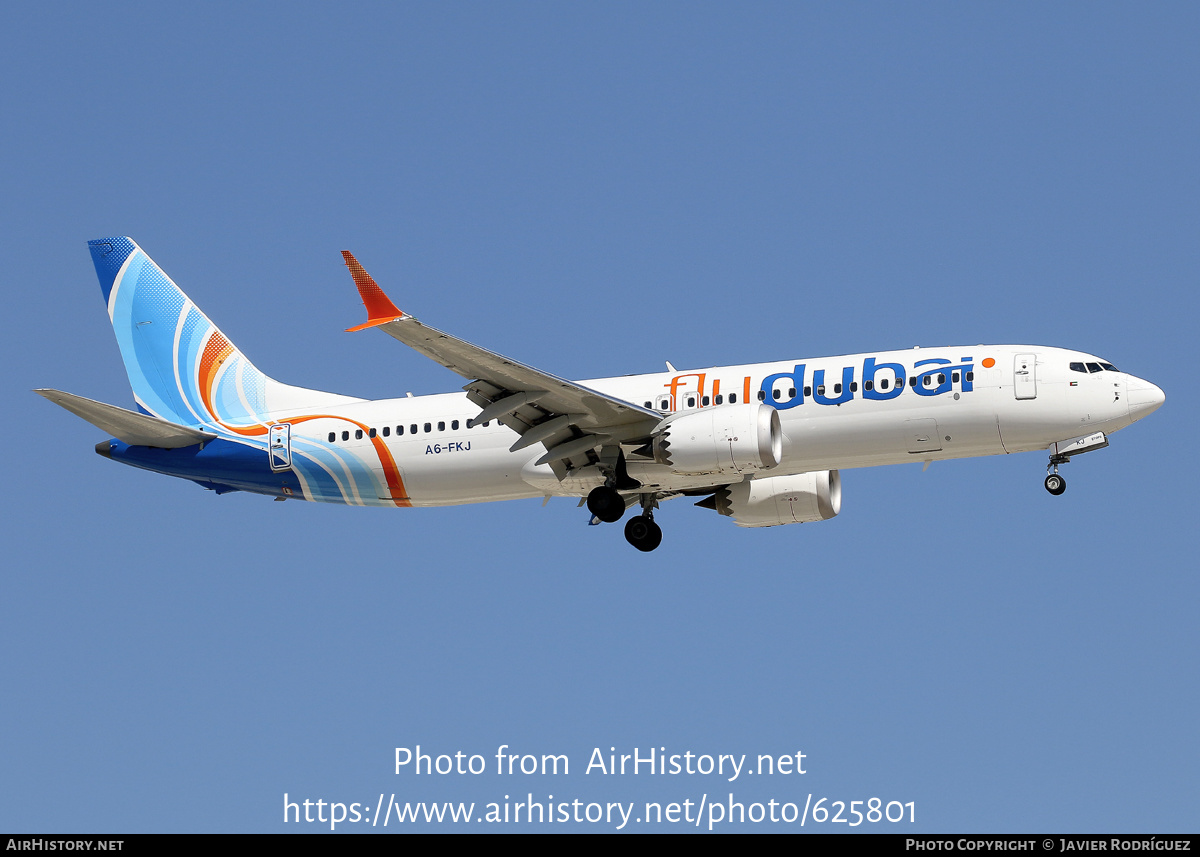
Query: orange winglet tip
x=375, y=322
x=380, y=309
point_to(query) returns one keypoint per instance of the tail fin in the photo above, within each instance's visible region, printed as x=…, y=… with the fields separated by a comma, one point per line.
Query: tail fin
x=181, y=367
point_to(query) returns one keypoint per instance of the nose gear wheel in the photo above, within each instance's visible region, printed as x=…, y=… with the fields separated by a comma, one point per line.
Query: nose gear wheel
x=1055, y=484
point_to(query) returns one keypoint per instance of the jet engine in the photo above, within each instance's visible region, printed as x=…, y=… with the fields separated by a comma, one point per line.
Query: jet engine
x=722, y=439
x=776, y=500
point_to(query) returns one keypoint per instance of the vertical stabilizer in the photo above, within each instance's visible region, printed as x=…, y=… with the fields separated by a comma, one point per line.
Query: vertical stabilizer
x=181, y=367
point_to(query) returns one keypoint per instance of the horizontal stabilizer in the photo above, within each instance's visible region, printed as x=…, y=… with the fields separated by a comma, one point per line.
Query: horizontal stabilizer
x=129, y=427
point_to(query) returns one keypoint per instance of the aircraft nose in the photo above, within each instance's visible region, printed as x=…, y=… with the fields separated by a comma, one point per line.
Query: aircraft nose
x=1144, y=398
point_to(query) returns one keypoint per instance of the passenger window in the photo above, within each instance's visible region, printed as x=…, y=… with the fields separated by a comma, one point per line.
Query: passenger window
x=428, y=428
x=399, y=430
x=868, y=385
x=821, y=390
x=762, y=396
x=412, y=429
x=837, y=389
x=645, y=404
x=774, y=394
x=345, y=435
x=372, y=433
x=720, y=399
x=791, y=392
x=733, y=398
x=704, y=401
x=853, y=386
x=808, y=391
x=912, y=382
x=387, y=431
x=884, y=383
x=970, y=376
x=928, y=382
x=954, y=377
x=358, y=434
x=441, y=425
x=454, y=426
x=691, y=401
x=332, y=436
x=941, y=379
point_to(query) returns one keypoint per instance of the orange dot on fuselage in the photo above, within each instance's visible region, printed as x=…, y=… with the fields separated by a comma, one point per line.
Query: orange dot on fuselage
x=988, y=363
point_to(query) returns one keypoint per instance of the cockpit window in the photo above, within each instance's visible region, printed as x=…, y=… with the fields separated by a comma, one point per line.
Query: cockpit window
x=1093, y=367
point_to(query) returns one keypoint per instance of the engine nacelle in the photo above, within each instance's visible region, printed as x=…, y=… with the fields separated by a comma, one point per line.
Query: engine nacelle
x=776, y=500
x=722, y=439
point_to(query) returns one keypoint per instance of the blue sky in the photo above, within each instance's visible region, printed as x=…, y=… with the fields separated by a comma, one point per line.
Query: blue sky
x=594, y=190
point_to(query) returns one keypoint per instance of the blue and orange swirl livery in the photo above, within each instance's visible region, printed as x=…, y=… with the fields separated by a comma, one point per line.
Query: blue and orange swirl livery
x=184, y=370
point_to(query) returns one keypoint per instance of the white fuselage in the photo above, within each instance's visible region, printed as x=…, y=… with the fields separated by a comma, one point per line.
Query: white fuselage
x=988, y=400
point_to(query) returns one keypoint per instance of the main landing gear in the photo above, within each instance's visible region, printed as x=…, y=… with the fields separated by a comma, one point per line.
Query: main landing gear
x=643, y=533
x=608, y=505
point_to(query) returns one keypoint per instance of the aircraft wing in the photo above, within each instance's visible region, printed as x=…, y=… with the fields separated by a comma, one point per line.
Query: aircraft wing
x=569, y=419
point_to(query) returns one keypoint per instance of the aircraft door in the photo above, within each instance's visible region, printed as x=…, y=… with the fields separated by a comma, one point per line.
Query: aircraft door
x=922, y=436
x=1025, y=376
x=280, y=451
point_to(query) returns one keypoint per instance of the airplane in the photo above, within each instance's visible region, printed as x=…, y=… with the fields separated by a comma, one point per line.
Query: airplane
x=761, y=443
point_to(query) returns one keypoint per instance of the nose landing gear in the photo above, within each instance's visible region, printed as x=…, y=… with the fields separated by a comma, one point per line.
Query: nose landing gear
x=1055, y=484
x=1061, y=452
